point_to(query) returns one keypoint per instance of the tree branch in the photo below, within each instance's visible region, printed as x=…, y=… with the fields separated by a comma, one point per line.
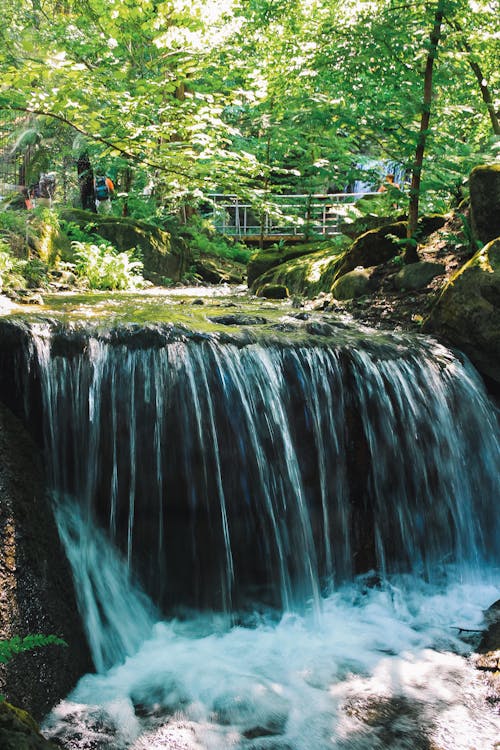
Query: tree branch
x=123, y=152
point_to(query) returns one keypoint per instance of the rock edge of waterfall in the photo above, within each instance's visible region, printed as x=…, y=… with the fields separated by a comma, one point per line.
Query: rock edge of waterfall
x=36, y=588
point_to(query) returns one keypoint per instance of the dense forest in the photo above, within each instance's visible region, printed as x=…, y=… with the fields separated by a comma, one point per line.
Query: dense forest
x=177, y=99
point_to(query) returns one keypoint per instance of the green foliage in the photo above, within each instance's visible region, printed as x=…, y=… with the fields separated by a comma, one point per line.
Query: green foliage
x=17, y=645
x=77, y=233
x=202, y=239
x=103, y=267
x=10, y=269
x=34, y=272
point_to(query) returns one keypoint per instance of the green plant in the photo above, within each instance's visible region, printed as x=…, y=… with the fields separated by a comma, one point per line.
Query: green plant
x=77, y=233
x=17, y=645
x=202, y=239
x=105, y=268
x=10, y=269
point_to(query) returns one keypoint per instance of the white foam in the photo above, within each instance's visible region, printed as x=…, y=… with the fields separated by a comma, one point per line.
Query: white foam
x=378, y=668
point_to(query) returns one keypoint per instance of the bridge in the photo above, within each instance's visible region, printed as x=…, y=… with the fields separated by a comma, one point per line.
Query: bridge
x=290, y=217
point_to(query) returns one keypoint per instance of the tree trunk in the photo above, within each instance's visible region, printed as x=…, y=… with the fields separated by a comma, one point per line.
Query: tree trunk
x=411, y=255
x=483, y=84
x=86, y=182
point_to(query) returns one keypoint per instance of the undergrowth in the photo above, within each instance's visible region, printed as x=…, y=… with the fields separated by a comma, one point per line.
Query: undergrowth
x=103, y=267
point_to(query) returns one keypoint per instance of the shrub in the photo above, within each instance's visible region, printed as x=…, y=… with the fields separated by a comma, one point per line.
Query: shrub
x=105, y=268
x=203, y=240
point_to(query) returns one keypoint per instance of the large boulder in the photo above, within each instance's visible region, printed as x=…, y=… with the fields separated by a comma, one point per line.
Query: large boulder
x=484, y=184
x=36, y=587
x=18, y=731
x=274, y=256
x=163, y=259
x=417, y=275
x=219, y=271
x=354, y=284
x=374, y=247
x=307, y=275
x=467, y=314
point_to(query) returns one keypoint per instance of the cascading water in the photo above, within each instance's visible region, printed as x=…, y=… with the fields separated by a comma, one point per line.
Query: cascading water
x=243, y=486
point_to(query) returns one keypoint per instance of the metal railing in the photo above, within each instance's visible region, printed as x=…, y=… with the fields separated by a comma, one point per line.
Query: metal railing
x=280, y=215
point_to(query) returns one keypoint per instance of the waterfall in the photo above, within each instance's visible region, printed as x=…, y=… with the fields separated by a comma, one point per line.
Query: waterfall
x=228, y=474
x=272, y=541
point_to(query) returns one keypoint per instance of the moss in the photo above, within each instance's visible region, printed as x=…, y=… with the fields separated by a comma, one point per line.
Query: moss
x=273, y=291
x=19, y=731
x=467, y=312
x=354, y=284
x=308, y=275
x=267, y=259
x=373, y=247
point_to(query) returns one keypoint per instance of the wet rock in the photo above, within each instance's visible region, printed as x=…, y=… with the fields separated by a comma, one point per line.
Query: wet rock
x=83, y=727
x=354, y=284
x=36, y=587
x=417, y=275
x=467, y=314
x=484, y=183
x=488, y=652
x=273, y=291
x=239, y=320
x=260, y=715
x=162, y=699
x=19, y=731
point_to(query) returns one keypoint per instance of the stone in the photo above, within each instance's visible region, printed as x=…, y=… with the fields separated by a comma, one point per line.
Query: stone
x=36, y=587
x=484, y=184
x=219, y=272
x=354, y=284
x=238, y=320
x=417, y=275
x=264, y=260
x=273, y=291
x=430, y=223
x=488, y=652
x=373, y=248
x=19, y=731
x=307, y=275
x=163, y=259
x=467, y=313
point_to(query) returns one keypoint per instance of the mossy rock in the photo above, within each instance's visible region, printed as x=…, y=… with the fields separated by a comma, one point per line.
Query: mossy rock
x=162, y=257
x=273, y=291
x=417, y=275
x=51, y=244
x=219, y=271
x=356, y=283
x=373, y=248
x=19, y=731
x=484, y=184
x=307, y=275
x=431, y=223
x=267, y=259
x=467, y=312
